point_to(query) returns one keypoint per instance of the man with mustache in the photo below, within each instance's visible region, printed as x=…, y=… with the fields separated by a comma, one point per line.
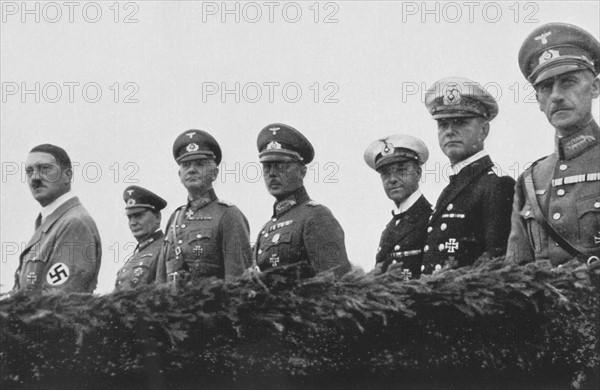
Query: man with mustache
x=556, y=211
x=207, y=236
x=65, y=250
x=142, y=208
x=300, y=229
x=471, y=219
x=398, y=159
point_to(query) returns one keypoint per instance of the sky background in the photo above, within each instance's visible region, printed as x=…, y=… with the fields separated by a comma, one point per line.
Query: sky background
x=114, y=83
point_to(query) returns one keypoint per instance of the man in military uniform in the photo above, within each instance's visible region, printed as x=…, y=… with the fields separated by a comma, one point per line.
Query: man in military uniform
x=556, y=211
x=207, y=236
x=471, y=218
x=398, y=159
x=300, y=229
x=65, y=250
x=142, y=208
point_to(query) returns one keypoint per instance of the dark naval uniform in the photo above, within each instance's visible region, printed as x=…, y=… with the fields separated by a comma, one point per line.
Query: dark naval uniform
x=302, y=230
x=205, y=238
x=471, y=217
x=140, y=268
x=396, y=158
x=556, y=210
x=403, y=239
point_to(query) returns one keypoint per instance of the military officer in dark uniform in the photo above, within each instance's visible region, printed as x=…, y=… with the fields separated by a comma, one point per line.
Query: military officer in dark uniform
x=207, y=236
x=300, y=229
x=556, y=211
x=471, y=218
x=142, y=208
x=398, y=159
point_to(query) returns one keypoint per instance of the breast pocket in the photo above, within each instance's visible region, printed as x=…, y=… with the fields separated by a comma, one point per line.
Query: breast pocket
x=534, y=229
x=280, y=240
x=588, y=211
x=200, y=242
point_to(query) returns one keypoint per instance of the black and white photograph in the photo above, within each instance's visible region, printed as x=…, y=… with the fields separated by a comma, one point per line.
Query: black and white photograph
x=300, y=194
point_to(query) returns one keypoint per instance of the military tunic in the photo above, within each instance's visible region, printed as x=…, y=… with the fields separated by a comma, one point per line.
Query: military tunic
x=471, y=217
x=302, y=230
x=140, y=268
x=63, y=254
x=404, y=237
x=207, y=237
x=567, y=189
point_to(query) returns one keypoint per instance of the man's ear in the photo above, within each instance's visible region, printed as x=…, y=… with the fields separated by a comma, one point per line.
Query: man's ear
x=69, y=174
x=215, y=173
x=595, y=88
x=485, y=129
x=303, y=170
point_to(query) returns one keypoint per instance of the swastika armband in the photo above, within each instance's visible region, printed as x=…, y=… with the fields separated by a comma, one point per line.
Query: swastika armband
x=57, y=274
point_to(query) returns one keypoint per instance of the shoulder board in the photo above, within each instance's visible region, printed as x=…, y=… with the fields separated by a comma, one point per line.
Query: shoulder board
x=224, y=202
x=536, y=162
x=313, y=203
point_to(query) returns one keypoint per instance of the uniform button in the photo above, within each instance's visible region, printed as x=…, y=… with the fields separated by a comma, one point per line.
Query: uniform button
x=198, y=235
x=597, y=205
x=444, y=227
x=429, y=229
x=180, y=242
x=426, y=248
x=563, y=167
x=556, y=216
x=450, y=207
x=422, y=268
x=560, y=192
x=266, y=234
x=183, y=226
x=438, y=267
x=397, y=248
x=556, y=244
x=259, y=251
x=527, y=213
x=441, y=247
x=274, y=219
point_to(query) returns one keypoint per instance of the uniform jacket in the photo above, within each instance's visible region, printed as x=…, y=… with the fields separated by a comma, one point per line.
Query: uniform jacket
x=403, y=241
x=471, y=217
x=205, y=238
x=302, y=230
x=63, y=254
x=140, y=268
x=567, y=189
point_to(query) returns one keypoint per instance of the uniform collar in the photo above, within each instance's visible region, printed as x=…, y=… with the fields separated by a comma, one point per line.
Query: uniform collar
x=157, y=235
x=577, y=143
x=407, y=203
x=456, y=168
x=297, y=197
x=52, y=207
x=206, y=198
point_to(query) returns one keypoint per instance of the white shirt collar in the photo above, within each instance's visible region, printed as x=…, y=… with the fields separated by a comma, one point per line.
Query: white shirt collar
x=456, y=168
x=49, y=209
x=408, y=202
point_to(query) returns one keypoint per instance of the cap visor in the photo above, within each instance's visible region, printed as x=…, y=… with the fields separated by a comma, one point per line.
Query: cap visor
x=195, y=156
x=133, y=209
x=443, y=115
x=278, y=155
x=558, y=70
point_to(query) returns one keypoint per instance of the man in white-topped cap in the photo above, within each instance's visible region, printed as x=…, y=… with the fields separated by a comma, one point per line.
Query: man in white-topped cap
x=471, y=218
x=398, y=159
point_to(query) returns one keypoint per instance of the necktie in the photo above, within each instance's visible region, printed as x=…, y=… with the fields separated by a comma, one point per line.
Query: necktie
x=38, y=221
